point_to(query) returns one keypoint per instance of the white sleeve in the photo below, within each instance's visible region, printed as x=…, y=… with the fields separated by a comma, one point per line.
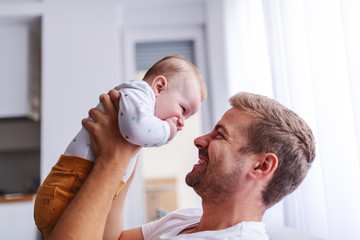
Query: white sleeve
x=130, y=167
x=137, y=121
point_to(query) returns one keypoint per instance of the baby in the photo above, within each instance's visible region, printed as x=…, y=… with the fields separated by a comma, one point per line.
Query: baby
x=151, y=112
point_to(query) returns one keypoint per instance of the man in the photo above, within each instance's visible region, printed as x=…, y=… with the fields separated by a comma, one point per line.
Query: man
x=258, y=153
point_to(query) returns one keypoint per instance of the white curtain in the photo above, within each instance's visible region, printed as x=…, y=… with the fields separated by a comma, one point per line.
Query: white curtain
x=305, y=54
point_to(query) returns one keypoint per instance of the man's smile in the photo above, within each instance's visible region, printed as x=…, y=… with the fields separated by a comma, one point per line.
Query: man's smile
x=203, y=157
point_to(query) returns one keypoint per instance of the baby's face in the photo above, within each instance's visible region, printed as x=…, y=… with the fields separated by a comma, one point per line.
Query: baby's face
x=178, y=103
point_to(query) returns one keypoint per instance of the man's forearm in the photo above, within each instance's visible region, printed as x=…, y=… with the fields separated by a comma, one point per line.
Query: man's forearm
x=86, y=215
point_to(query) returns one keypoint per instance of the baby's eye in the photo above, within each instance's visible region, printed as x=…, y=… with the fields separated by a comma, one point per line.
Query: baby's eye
x=183, y=109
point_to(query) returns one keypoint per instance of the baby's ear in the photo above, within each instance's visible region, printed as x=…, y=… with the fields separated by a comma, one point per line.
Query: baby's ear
x=159, y=85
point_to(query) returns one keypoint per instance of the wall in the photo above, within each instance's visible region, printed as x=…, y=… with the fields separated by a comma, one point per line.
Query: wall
x=83, y=55
x=80, y=61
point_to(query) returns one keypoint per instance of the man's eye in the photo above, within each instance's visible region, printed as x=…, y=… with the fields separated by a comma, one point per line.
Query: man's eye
x=220, y=135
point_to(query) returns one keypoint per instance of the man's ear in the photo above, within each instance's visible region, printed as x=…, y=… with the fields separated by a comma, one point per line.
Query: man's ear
x=264, y=167
x=159, y=84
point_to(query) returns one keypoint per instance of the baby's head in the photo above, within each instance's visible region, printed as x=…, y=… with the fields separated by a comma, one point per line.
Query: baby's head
x=179, y=90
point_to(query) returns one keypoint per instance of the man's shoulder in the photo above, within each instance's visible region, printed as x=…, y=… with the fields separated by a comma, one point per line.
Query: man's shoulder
x=187, y=212
x=183, y=215
x=172, y=223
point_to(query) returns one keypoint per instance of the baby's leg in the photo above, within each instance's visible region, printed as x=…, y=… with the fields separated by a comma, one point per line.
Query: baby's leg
x=127, y=175
x=130, y=167
x=57, y=191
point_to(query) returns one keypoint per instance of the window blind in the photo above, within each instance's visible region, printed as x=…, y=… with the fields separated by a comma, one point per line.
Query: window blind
x=148, y=53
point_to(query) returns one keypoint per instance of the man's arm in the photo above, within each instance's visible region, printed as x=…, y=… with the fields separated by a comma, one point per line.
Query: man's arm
x=114, y=222
x=86, y=215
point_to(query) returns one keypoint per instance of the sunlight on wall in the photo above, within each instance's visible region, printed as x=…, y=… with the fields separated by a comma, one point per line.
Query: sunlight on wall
x=248, y=64
x=305, y=55
x=175, y=160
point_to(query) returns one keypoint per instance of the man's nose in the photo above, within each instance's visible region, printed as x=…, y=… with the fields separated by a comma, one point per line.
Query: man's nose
x=201, y=142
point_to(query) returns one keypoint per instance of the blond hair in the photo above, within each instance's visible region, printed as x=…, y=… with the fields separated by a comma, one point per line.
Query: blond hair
x=173, y=66
x=278, y=130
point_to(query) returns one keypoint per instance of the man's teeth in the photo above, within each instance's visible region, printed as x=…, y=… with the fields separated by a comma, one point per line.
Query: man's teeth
x=201, y=161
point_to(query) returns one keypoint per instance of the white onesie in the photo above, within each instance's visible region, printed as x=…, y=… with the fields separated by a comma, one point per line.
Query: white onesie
x=137, y=123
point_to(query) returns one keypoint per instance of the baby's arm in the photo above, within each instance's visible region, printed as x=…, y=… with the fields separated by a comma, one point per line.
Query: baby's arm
x=137, y=121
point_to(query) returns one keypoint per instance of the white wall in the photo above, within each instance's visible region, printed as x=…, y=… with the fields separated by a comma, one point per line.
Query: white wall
x=83, y=56
x=80, y=61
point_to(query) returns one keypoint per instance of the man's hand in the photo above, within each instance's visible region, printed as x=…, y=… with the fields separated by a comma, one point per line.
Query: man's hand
x=115, y=98
x=105, y=137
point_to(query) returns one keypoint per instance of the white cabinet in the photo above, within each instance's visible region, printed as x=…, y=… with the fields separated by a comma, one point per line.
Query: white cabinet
x=20, y=67
x=16, y=221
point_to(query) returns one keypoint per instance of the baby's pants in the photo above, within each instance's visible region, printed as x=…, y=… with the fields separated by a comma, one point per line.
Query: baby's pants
x=58, y=189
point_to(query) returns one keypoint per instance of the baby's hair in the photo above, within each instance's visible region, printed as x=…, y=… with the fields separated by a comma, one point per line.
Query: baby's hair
x=173, y=66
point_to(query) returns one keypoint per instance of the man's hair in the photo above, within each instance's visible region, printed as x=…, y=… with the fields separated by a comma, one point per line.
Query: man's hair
x=174, y=66
x=276, y=129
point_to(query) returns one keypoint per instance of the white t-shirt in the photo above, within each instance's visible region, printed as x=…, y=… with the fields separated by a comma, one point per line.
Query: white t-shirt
x=137, y=123
x=169, y=226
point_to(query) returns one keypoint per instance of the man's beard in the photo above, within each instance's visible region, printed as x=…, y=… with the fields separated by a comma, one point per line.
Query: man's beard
x=212, y=186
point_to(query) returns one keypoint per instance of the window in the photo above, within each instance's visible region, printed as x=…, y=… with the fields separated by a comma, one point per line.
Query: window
x=164, y=169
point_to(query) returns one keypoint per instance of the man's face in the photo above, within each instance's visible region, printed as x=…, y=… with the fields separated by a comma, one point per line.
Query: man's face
x=221, y=168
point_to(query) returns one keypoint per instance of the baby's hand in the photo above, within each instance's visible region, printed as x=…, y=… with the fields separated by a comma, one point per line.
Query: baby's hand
x=173, y=128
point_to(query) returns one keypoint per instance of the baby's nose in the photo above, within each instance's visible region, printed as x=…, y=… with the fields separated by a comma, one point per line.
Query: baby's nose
x=181, y=121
